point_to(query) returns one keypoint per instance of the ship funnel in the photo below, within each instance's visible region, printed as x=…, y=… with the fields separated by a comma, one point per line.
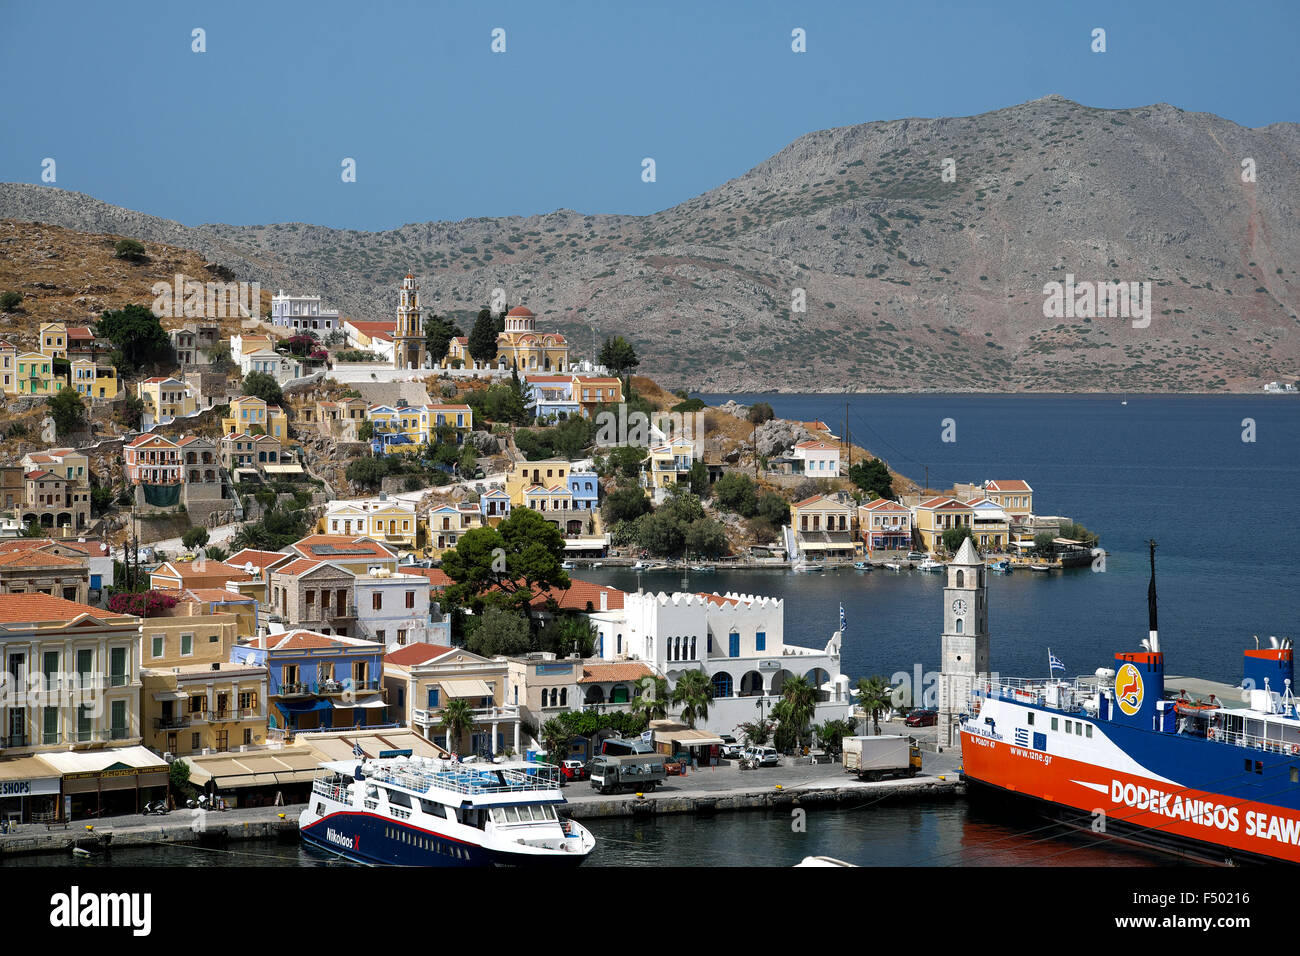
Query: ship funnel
x=1272, y=641
x=1151, y=604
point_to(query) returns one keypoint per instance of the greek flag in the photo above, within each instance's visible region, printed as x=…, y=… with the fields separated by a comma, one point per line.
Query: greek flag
x=1054, y=662
x=844, y=622
x=1022, y=736
x=357, y=751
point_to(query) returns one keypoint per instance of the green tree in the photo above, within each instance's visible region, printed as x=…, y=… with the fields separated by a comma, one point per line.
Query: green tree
x=624, y=462
x=624, y=504
x=761, y=412
x=457, y=719
x=693, y=691
x=519, y=557
x=367, y=472
x=263, y=386
x=501, y=633
x=438, y=333
x=953, y=537
x=137, y=336
x=195, y=538
x=365, y=431
x=569, y=634
x=874, y=698
x=699, y=478
x=130, y=250
x=800, y=700
x=219, y=359
x=773, y=508
x=555, y=740
x=652, y=698
x=132, y=411
x=1042, y=542
x=737, y=492
x=483, y=339
x=830, y=734
x=9, y=301
x=707, y=538
x=756, y=732
x=178, y=778
x=873, y=476
x=68, y=411
x=618, y=356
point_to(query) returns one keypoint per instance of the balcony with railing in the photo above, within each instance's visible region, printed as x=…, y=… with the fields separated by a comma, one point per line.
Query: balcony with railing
x=482, y=715
x=327, y=688
x=176, y=722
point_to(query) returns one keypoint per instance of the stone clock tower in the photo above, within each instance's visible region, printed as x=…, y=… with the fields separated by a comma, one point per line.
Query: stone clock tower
x=408, y=334
x=965, y=641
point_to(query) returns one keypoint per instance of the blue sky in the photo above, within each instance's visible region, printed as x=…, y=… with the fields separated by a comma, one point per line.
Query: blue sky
x=254, y=130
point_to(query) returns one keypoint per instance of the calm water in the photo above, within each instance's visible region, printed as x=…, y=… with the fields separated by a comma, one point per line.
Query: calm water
x=930, y=834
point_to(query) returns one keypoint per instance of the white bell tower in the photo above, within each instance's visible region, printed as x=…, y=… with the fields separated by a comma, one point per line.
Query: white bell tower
x=964, y=655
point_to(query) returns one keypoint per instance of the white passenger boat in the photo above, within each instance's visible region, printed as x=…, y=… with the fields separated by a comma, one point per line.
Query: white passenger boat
x=929, y=564
x=893, y=565
x=424, y=811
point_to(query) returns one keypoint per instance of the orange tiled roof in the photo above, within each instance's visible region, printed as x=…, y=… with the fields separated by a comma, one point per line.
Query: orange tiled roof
x=364, y=546
x=37, y=559
x=414, y=654
x=438, y=578
x=218, y=594
x=190, y=569
x=258, y=559
x=1014, y=484
x=621, y=671
x=578, y=595
x=31, y=608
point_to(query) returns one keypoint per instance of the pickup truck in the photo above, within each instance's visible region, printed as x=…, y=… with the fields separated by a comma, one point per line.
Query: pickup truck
x=871, y=758
x=638, y=772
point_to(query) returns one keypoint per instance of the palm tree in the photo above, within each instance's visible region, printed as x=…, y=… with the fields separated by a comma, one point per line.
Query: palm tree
x=694, y=690
x=555, y=738
x=874, y=698
x=757, y=732
x=457, y=718
x=831, y=732
x=652, y=698
x=800, y=698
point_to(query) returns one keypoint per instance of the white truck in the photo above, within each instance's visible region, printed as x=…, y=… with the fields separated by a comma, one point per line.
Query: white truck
x=871, y=758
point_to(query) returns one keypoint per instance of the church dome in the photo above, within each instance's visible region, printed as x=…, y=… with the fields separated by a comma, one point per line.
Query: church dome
x=520, y=312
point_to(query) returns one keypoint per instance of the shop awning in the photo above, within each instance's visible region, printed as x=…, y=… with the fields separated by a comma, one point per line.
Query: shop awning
x=690, y=738
x=302, y=706
x=466, y=688
x=368, y=703
x=26, y=777
x=163, y=695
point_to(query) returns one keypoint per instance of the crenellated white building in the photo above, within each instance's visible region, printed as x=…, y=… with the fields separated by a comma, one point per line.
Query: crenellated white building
x=738, y=640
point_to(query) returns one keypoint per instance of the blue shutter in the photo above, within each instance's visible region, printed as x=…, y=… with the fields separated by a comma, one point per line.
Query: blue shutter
x=733, y=646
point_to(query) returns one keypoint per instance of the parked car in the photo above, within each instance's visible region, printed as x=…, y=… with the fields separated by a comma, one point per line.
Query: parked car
x=762, y=756
x=926, y=717
x=731, y=751
x=916, y=555
x=574, y=770
x=675, y=766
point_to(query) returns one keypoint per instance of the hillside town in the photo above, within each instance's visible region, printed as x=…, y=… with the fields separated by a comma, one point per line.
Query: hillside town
x=247, y=551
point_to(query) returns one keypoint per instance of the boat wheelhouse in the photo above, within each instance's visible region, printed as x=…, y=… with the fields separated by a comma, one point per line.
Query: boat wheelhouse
x=422, y=811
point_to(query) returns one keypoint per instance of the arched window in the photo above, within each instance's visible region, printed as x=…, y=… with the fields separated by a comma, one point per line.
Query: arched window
x=564, y=697
x=721, y=684
x=960, y=625
x=618, y=644
x=693, y=654
x=961, y=579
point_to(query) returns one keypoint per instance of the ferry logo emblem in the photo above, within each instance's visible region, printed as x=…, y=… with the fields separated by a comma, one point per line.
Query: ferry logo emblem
x=1128, y=689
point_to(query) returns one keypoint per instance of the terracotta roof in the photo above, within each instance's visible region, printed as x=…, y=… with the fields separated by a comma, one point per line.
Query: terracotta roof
x=37, y=559
x=40, y=458
x=810, y=443
x=369, y=327
x=621, y=671
x=300, y=639
x=190, y=569
x=297, y=566
x=438, y=578
x=25, y=608
x=808, y=501
x=30, y=544
x=413, y=654
x=579, y=594
x=218, y=594
x=885, y=504
x=1014, y=484
x=258, y=559
x=318, y=546
x=520, y=311
x=42, y=473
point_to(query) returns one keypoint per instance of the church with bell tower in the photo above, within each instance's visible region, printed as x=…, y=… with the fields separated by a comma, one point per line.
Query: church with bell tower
x=408, y=334
x=964, y=653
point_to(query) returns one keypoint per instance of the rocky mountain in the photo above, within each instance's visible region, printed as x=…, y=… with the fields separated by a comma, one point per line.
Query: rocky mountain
x=913, y=273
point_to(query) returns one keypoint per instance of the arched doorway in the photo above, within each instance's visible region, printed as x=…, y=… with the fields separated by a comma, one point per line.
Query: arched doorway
x=722, y=686
x=751, y=684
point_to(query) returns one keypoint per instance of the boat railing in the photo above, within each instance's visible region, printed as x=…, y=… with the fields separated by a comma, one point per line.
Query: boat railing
x=1253, y=741
x=471, y=779
x=1036, y=691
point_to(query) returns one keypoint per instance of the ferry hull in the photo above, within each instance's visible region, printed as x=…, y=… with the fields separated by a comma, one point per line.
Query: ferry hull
x=1157, y=812
x=378, y=841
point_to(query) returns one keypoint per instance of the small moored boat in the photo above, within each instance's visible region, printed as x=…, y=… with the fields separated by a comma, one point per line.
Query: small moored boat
x=1001, y=567
x=861, y=565
x=929, y=564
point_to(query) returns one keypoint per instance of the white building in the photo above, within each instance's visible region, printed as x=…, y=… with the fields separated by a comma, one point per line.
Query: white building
x=819, y=459
x=282, y=368
x=304, y=313
x=738, y=640
x=392, y=608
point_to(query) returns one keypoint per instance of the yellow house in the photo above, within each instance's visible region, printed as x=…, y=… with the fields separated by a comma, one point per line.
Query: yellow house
x=936, y=515
x=823, y=527
x=666, y=464
x=94, y=381
x=54, y=340
x=8, y=368
x=548, y=474
x=446, y=523
x=166, y=399
x=64, y=462
x=191, y=697
x=1015, y=497
x=249, y=412
x=421, y=679
x=385, y=519
x=35, y=375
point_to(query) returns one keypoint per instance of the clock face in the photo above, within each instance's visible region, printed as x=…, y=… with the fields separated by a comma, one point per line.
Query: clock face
x=959, y=606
